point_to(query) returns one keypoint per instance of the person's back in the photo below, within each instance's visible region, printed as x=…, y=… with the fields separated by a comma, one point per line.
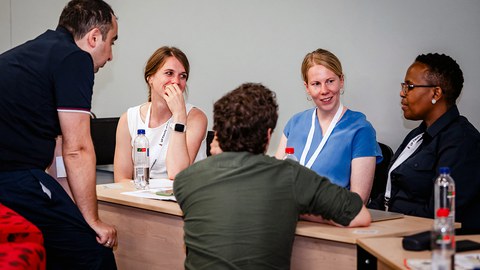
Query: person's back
x=27, y=104
x=46, y=88
x=241, y=207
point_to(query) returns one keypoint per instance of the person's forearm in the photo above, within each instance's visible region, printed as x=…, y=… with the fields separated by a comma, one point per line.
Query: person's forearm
x=362, y=219
x=80, y=166
x=361, y=178
x=178, y=157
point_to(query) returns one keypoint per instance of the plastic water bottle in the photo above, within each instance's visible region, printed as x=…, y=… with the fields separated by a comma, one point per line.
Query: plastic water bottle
x=444, y=193
x=289, y=154
x=443, y=241
x=141, y=160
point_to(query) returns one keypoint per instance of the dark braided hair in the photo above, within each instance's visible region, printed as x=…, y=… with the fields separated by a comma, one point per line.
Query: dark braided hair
x=444, y=72
x=243, y=116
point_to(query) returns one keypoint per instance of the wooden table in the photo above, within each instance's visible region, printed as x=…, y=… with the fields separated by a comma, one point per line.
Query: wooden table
x=151, y=234
x=390, y=254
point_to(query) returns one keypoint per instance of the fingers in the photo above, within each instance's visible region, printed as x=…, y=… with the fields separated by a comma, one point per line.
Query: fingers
x=173, y=95
x=112, y=239
x=111, y=243
x=106, y=234
x=173, y=90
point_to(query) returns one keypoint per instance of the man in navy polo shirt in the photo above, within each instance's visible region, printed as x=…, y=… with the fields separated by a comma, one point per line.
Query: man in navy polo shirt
x=46, y=89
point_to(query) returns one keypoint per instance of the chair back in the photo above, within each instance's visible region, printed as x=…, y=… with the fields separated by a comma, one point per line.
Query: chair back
x=381, y=172
x=103, y=131
x=210, y=136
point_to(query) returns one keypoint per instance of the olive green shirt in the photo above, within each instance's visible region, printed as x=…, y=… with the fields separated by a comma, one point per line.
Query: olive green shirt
x=241, y=210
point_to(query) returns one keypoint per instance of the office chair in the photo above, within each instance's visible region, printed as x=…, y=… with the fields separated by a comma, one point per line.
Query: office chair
x=381, y=172
x=103, y=131
x=210, y=136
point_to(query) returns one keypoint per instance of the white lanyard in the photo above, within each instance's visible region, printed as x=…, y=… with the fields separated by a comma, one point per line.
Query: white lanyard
x=407, y=152
x=308, y=144
x=152, y=149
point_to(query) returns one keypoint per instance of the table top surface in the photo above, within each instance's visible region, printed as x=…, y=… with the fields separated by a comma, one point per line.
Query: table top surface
x=389, y=250
x=112, y=193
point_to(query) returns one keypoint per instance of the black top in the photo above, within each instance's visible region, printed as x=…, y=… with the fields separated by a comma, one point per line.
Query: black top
x=452, y=142
x=40, y=77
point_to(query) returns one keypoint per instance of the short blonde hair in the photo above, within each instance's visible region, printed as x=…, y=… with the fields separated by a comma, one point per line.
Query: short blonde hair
x=324, y=58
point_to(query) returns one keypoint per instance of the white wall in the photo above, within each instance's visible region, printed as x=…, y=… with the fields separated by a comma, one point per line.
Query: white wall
x=231, y=42
x=4, y=25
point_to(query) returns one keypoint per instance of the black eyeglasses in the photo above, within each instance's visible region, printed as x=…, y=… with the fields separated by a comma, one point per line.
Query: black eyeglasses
x=408, y=87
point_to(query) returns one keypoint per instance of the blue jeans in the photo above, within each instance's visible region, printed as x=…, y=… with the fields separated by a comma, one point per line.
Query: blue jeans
x=70, y=242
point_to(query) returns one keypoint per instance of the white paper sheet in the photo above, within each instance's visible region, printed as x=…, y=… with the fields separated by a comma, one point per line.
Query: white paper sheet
x=155, y=186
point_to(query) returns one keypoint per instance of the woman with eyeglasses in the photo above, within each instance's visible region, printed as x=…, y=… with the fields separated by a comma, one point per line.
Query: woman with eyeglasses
x=331, y=139
x=443, y=139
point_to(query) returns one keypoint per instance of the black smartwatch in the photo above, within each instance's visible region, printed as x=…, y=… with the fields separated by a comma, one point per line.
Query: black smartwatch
x=179, y=127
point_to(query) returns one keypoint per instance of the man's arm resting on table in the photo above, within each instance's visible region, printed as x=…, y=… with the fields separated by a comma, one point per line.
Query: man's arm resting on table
x=362, y=219
x=79, y=158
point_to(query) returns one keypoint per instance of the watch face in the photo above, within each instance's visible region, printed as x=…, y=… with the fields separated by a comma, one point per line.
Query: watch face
x=179, y=127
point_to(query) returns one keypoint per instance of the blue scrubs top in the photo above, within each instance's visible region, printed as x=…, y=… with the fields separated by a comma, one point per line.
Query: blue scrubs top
x=352, y=137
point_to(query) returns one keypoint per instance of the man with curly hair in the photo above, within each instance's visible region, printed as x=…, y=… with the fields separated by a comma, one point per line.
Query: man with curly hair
x=241, y=206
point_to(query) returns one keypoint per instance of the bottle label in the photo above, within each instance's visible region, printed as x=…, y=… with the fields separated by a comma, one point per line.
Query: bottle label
x=444, y=239
x=140, y=149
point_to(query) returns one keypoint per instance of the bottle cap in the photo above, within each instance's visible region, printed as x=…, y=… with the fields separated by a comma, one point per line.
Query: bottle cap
x=289, y=150
x=444, y=170
x=141, y=131
x=443, y=212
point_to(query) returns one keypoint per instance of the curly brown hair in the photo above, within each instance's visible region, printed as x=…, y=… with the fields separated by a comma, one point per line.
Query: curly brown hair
x=243, y=116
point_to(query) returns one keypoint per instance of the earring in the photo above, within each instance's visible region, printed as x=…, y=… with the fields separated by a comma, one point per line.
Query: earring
x=342, y=91
x=309, y=98
x=434, y=101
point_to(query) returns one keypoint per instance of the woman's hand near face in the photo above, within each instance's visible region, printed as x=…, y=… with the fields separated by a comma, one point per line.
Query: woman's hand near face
x=173, y=95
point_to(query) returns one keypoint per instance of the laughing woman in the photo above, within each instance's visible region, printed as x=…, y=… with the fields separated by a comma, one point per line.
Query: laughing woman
x=176, y=130
x=330, y=139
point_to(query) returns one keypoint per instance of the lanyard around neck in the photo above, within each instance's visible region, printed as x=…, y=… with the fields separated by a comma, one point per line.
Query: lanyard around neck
x=407, y=152
x=164, y=132
x=147, y=122
x=308, y=144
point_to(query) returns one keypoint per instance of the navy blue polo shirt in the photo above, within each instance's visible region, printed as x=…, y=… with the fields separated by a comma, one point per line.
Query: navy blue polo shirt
x=37, y=79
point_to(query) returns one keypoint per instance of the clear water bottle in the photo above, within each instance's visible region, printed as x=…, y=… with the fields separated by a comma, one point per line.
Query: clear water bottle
x=444, y=193
x=443, y=241
x=289, y=154
x=141, y=160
